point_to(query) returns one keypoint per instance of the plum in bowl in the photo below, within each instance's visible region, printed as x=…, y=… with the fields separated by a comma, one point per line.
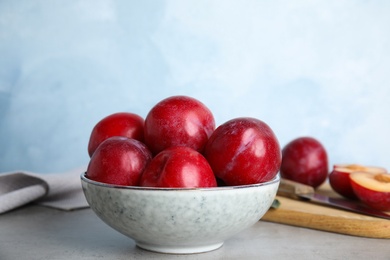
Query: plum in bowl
x=179, y=221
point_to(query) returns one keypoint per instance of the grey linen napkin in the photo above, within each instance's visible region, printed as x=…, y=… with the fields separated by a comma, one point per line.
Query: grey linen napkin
x=57, y=190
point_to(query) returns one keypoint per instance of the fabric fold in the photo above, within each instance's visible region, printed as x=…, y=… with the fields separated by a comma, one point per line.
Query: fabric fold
x=57, y=190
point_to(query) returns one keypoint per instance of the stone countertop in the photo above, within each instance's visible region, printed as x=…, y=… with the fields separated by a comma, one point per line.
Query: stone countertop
x=36, y=232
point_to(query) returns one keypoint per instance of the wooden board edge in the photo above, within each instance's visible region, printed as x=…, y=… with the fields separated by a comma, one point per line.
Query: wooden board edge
x=371, y=229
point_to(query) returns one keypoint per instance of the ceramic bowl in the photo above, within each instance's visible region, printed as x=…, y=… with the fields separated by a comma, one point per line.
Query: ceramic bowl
x=179, y=221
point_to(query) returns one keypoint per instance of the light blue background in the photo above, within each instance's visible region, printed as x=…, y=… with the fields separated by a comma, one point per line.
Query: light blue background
x=317, y=68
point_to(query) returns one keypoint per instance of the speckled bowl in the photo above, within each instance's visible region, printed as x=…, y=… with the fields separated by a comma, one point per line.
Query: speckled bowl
x=179, y=221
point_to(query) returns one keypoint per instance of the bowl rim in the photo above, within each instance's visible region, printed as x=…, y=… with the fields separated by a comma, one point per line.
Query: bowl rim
x=85, y=179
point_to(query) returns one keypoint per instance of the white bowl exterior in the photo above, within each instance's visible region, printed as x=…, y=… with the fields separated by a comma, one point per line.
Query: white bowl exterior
x=180, y=221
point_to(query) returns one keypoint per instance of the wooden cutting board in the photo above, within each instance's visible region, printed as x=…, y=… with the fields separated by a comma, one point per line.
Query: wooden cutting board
x=309, y=215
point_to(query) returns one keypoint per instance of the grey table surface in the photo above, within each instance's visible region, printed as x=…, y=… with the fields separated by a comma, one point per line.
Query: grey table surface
x=36, y=232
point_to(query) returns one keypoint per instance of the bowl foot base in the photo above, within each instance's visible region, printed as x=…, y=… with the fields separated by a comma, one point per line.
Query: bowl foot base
x=179, y=249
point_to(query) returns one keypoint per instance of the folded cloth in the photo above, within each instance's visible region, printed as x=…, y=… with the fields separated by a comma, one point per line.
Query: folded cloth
x=57, y=190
